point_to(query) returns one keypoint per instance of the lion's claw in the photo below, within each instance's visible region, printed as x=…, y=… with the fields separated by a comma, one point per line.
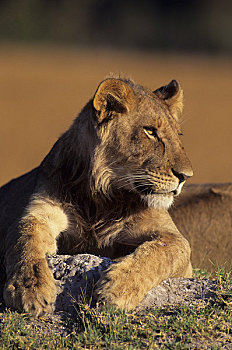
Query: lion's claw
x=120, y=286
x=34, y=295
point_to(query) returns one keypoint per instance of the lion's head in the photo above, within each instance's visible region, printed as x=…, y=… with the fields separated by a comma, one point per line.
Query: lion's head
x=127, y=140
x=140, y=149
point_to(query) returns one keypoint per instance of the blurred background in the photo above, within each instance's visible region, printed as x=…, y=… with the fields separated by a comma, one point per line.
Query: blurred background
x=53, y=54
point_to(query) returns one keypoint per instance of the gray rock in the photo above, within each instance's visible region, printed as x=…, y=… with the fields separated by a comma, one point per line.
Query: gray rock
x=182, y=291
x=76, y=276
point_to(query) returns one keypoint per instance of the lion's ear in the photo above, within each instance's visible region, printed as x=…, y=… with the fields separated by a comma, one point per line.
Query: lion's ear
x=172, y=94
x=112, y=95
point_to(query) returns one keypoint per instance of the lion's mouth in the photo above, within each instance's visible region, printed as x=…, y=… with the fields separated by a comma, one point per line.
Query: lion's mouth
x=175, y=192
x=146, y=190
x=154, y=198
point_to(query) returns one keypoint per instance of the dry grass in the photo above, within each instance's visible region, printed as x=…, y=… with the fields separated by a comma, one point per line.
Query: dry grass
x=43, y=88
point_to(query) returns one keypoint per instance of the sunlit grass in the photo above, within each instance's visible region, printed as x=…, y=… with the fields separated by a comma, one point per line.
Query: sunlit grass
x=102, y=327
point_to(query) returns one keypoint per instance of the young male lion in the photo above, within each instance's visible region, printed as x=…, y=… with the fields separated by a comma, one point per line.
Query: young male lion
x=104, y=188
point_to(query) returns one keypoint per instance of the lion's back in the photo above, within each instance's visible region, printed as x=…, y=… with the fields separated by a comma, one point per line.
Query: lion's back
x=14, y=197
x=203, y=215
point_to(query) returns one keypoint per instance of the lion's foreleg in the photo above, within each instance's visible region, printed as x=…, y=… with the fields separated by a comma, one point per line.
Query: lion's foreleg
x=126, y=283
x=30, y=286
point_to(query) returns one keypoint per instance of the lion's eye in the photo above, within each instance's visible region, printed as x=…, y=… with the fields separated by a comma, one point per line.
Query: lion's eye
x=150, y=131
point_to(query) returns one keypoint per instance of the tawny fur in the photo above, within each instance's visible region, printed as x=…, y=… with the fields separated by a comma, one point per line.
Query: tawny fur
x=104, y=188
x=203, y=214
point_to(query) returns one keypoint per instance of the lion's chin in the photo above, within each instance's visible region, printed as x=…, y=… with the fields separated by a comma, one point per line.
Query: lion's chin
x=159, y=201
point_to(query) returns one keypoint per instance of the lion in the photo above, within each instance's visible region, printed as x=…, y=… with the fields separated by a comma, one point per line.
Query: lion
x=104, y=188
x=203, y=215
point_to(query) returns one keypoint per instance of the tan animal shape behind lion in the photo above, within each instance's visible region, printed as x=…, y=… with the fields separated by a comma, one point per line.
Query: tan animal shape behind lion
x=104, y=189
x=203, y=214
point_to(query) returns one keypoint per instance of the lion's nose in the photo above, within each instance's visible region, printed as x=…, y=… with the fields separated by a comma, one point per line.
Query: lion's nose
x=181, y=176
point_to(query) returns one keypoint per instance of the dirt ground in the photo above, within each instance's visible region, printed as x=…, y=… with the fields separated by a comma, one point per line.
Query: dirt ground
x=43, y=88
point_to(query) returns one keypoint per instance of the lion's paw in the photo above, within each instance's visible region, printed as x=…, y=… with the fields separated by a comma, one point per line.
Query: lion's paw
x=121, y=286
x=31, y=290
